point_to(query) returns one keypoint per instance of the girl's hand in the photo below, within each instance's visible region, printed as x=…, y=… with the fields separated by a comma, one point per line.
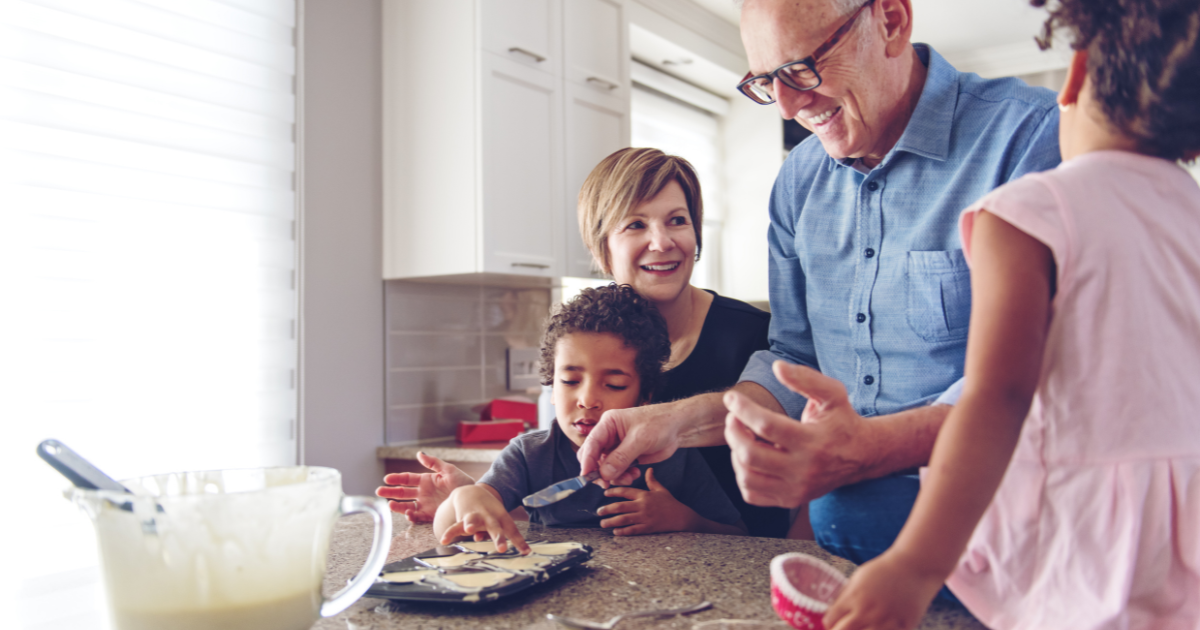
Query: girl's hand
x=418, y=495
x=646, y=511
x=477, y=511
x=885, y=593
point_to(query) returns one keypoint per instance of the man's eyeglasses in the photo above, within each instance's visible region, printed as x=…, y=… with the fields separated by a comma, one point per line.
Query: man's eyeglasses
x=799, y=75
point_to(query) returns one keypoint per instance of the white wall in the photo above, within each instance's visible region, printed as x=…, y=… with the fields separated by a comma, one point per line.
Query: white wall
x=342, y=340
x=752, y=137
x=753, y=155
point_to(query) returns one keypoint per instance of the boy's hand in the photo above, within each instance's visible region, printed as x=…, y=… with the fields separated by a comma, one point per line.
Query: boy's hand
x=646, y=511
x=478, y=511
x=418, y=495
x=885, y=593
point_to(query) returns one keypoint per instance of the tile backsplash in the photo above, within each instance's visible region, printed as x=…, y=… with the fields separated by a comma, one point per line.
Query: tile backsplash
x=446, y=348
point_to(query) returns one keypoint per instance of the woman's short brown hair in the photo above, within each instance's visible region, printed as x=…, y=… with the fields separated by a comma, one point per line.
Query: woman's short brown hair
x=623, y=180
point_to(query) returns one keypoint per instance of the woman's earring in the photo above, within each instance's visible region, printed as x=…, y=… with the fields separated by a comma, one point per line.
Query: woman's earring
x=1063, y=108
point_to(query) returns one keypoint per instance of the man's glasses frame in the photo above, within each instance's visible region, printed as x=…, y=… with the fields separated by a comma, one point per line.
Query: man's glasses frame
x=758, y=88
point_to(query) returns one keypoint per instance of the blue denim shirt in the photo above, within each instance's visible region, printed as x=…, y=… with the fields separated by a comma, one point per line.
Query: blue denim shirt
x=867, y=276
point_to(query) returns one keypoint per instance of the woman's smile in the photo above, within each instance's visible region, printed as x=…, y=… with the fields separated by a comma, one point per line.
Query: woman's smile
x=664, y=268
x=654, y=248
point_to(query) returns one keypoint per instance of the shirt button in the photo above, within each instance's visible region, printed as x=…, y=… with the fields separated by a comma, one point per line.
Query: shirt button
x=872, y=186
x=861, y=318
x=868, y=379
x=869, y=253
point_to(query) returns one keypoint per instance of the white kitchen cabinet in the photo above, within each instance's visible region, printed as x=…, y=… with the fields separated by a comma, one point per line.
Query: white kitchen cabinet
x=522, y=169
x=494, y=112
x=597, y=125
x=596, y=58
x=526, y=31
x=596, y=44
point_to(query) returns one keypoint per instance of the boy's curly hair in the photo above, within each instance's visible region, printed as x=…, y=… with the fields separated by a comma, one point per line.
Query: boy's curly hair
x=618, y=310
x=1144, y=61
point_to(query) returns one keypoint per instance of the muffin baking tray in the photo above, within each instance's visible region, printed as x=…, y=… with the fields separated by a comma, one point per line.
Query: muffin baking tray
x=473, y=572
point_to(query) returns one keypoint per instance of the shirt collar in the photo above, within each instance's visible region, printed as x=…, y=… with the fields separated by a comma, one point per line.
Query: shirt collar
x=928, y=131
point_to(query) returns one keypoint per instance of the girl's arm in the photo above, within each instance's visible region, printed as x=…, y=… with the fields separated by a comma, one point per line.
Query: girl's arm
x=1012, y=279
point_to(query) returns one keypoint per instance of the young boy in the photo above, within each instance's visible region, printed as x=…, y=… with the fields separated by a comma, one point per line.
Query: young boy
x=603, y=350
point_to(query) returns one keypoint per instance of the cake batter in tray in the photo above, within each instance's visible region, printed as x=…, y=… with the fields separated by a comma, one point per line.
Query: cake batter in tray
x=469, y=573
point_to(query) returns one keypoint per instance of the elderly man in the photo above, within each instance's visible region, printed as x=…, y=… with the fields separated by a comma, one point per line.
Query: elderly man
x=869, y=288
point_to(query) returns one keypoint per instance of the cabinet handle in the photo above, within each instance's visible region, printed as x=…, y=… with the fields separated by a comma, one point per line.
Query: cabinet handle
x=531, y=265
x=608, y=85
x=532, y=55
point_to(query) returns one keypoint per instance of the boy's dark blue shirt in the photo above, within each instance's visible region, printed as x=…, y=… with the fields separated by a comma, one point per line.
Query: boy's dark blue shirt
x=538, y=459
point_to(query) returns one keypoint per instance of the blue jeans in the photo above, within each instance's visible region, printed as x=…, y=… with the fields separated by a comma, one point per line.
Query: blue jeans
x=860, y=521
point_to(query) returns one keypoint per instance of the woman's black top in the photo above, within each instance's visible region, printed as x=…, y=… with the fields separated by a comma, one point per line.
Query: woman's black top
x=732, y=332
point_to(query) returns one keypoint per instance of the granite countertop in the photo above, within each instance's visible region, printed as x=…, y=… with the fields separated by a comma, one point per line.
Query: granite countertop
x=450, y=451
x=625, y=574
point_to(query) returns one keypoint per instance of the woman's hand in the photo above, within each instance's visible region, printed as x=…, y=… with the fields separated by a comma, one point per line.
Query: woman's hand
x=646, y=511
x=476, y=510
x=886, y=593
x=418, y=495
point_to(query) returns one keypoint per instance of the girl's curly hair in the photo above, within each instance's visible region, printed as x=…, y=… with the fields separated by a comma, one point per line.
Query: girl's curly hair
x=617, y=310
x=1144, y=61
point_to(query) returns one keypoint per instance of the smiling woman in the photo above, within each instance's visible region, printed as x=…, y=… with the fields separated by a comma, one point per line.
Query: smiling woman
x=640, y=213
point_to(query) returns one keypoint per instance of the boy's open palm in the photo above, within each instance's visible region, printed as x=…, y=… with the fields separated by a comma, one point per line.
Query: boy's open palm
x=884, y=594
x=418, y=495
x=645, y=511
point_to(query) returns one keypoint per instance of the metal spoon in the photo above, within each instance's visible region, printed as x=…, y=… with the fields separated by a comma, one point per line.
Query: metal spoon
x=583, y=624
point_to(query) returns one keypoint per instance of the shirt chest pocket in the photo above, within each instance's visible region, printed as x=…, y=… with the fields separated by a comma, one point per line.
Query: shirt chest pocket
x=939, y=295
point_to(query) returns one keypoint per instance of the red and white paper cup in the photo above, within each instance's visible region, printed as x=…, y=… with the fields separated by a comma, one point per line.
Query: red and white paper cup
x=802, y=588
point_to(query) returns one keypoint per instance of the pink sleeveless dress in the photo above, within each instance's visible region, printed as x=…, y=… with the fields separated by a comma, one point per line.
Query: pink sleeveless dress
x=1097, y=521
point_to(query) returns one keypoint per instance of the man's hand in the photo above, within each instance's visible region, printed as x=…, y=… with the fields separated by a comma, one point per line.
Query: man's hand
x=645, y=435
x=476, y=511
x=418, y=495
x=646, y=511
x=650, y=434
x=886, y=593
x=781, y=462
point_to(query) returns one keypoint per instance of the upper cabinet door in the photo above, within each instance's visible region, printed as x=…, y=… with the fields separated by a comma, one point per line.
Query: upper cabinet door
x=525, y=31
x=596, y=126
x=522, y=169
x=596, y=44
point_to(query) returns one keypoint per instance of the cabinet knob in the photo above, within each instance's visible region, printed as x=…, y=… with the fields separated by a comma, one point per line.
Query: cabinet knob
x=608, y=85
x=532, y=55
x=531, y=265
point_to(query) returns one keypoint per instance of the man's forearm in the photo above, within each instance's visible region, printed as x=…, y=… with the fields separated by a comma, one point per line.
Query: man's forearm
x=708, y=414
x=903, y=440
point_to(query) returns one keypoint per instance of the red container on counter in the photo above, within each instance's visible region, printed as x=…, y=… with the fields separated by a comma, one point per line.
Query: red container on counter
x=499, y=421
x=489, y=430
x=500, y=409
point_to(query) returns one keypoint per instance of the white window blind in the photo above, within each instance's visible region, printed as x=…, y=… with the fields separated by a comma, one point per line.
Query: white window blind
x=680, y=129
x=147, y=261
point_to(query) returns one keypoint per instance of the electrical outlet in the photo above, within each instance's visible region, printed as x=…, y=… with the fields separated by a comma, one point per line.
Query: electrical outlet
x=523, y=366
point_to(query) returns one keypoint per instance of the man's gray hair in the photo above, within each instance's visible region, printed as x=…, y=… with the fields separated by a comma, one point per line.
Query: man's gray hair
x=845, y=7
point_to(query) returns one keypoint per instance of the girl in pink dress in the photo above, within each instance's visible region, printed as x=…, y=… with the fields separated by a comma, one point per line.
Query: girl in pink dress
x=1064, y=488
